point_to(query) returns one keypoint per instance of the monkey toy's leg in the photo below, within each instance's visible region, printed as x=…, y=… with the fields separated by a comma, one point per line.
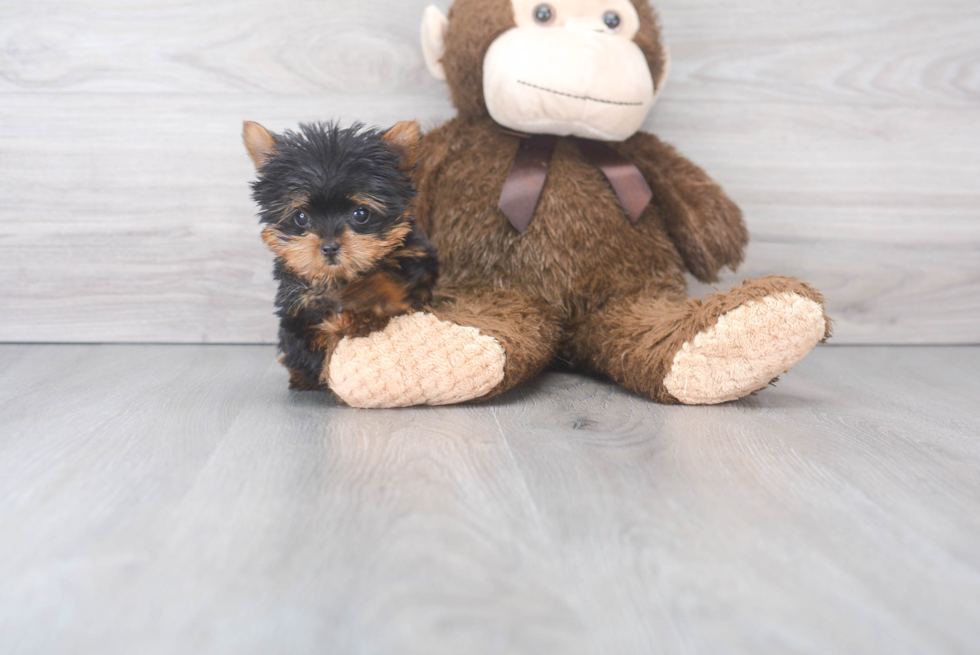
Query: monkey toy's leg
x=703, y=352
x=474, y=345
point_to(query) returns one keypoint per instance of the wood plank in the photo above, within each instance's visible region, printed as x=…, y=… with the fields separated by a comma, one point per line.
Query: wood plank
x=900, y=52
x=873, y=53
x=127, y=218
x=180, y=499
x=849, y=133
x=97, y=446
x=168, y=46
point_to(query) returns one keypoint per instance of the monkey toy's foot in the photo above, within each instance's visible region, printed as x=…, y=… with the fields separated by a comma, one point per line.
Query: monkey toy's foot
x=416, y=360
x=746, y=349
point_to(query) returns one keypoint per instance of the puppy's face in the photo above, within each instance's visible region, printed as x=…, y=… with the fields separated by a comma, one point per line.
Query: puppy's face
x=321, y=239
x=334, y=201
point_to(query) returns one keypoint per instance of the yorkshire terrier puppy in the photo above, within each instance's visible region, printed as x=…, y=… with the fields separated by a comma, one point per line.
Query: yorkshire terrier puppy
x=338, y=210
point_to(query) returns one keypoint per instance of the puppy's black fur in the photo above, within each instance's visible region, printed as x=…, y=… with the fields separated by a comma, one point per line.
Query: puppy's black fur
x=337, y=205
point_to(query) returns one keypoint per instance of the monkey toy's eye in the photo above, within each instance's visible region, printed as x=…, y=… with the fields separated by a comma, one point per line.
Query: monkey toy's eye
x=544, y=14
x=612, y=20
x=302, y=219
x=360, y=216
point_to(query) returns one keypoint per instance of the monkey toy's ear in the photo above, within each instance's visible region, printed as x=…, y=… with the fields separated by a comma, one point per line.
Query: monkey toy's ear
x=434, y=24
x=260, y=143
x=406, y=138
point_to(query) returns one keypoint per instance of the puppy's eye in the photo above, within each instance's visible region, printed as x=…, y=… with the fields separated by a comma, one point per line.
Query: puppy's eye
x=360, y=216
x=302, y=219
x=544, y=14
x=612, y=20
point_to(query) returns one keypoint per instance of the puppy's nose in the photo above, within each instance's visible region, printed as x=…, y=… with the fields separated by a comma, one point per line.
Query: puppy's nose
x=330, y=250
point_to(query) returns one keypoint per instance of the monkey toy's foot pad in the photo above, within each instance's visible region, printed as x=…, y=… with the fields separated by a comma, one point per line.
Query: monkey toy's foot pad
x=746, y=349
x=416, y=360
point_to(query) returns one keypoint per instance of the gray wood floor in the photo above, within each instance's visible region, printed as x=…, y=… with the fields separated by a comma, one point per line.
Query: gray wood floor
x=180, y=500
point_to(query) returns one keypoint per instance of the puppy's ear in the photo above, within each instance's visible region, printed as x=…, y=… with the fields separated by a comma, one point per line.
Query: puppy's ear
x=406, y=137
x=260, y=143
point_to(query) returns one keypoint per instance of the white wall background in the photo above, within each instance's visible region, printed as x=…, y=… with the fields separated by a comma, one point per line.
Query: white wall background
x=848, y=131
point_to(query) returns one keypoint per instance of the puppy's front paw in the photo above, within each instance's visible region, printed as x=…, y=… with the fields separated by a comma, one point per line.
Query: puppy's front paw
x=416, y=360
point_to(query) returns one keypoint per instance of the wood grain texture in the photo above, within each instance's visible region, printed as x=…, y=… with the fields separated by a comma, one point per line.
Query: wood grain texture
x=905, y=52
x=179, y=499
x=849, y=133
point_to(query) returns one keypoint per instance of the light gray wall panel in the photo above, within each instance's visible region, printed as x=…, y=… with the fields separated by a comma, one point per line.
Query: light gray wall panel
x=850, y=135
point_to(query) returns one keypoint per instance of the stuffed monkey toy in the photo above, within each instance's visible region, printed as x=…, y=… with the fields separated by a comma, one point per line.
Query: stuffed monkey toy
x=564, y=231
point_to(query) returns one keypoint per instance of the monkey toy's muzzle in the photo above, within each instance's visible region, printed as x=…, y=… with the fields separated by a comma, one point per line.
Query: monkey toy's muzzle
x=568, y=82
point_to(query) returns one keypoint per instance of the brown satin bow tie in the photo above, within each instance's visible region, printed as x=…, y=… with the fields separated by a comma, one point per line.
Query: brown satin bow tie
x=524, y=185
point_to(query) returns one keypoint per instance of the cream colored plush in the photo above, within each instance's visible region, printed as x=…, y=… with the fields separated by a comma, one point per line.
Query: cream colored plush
x=434, y=25
x=747, y=348
x=547, y=79
x=416, y=360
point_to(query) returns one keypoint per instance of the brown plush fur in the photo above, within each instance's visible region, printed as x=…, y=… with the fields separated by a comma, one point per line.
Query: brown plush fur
x=527, y=328
x=634, y=339
x=582, y=281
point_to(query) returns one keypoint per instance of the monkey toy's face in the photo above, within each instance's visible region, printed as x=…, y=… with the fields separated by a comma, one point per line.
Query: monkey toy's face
x=564, y=67
x=570, y=67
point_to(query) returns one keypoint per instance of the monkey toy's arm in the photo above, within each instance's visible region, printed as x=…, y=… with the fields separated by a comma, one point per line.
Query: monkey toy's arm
x=703, y=222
